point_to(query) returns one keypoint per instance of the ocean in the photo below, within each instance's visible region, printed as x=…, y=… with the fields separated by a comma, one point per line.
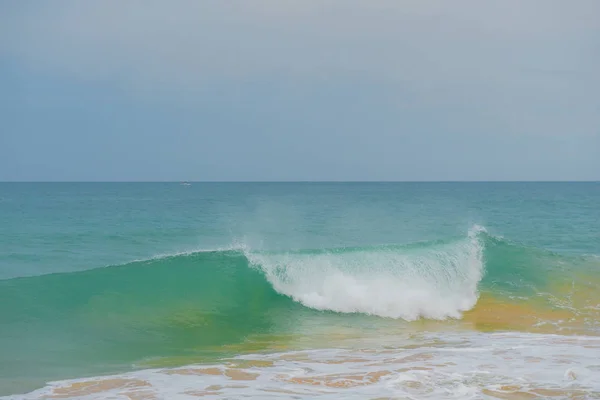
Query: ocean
x=299, y=290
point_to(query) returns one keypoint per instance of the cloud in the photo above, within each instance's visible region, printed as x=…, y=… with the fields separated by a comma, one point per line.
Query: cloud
x=385, y=79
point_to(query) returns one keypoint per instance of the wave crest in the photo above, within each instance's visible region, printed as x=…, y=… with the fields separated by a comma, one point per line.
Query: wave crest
x=433, y=281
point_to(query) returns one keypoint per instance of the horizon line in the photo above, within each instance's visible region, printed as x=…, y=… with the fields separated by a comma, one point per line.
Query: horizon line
x=303, y=181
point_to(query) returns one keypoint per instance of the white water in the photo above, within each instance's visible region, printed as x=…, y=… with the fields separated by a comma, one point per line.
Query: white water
x=435, y=282
x=425, y=366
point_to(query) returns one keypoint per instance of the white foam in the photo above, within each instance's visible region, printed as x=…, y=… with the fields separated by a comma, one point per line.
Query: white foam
x=430, y=366
x=435, y=282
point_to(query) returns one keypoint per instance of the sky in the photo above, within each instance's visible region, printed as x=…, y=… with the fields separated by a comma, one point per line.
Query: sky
x=278, y=90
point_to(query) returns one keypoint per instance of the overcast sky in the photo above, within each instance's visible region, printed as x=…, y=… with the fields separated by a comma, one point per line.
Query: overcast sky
x=300, y=90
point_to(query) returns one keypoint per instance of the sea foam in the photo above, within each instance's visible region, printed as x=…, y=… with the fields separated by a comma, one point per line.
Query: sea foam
x=433, y=281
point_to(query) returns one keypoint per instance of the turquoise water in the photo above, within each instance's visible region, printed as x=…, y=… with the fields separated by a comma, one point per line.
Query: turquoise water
x=106, y=278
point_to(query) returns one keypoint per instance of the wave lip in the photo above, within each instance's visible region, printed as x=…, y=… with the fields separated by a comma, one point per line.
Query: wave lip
x=434, y=281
